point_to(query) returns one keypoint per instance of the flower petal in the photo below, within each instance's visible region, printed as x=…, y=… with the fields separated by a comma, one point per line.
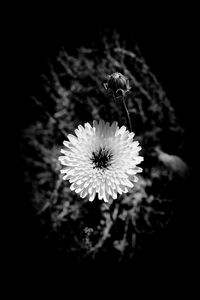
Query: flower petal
x=111, y=171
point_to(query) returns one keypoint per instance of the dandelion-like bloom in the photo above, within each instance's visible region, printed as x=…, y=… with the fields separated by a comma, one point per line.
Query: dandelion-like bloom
x=101, y=159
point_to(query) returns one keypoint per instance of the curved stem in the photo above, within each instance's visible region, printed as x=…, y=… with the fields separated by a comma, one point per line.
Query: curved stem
x=127, y=114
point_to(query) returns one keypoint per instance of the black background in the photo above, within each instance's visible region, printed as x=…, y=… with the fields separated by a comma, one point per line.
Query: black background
x=167, y=37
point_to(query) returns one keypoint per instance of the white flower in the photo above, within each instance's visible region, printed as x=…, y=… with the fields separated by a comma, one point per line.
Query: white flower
x=101, y=159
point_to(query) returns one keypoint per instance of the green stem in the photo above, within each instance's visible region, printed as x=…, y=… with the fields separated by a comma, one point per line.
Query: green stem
x=127, y=114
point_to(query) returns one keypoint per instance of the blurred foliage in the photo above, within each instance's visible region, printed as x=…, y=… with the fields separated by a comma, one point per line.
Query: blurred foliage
x=72, y=93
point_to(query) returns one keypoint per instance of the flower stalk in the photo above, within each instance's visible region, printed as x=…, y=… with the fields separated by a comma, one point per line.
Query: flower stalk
x=128, y=120
x=118, y=85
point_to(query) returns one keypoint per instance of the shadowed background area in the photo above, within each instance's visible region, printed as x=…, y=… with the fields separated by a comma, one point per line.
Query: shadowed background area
x=167, y=45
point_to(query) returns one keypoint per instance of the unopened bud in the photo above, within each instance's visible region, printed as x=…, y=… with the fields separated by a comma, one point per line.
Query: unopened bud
x=117, y=84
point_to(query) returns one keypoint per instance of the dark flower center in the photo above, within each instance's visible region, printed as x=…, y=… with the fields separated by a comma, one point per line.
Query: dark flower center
x=101, y=158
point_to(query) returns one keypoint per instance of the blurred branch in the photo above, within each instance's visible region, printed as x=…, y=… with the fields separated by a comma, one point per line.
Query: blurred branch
x=112, y=217
x=54, y=195
x=49, y=115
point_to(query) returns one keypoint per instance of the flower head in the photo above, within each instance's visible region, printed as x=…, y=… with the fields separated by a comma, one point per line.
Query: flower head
x=117, y=84
x=101, y=159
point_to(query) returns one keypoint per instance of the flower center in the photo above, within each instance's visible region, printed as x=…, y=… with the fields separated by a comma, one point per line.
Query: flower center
x=101, y=158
